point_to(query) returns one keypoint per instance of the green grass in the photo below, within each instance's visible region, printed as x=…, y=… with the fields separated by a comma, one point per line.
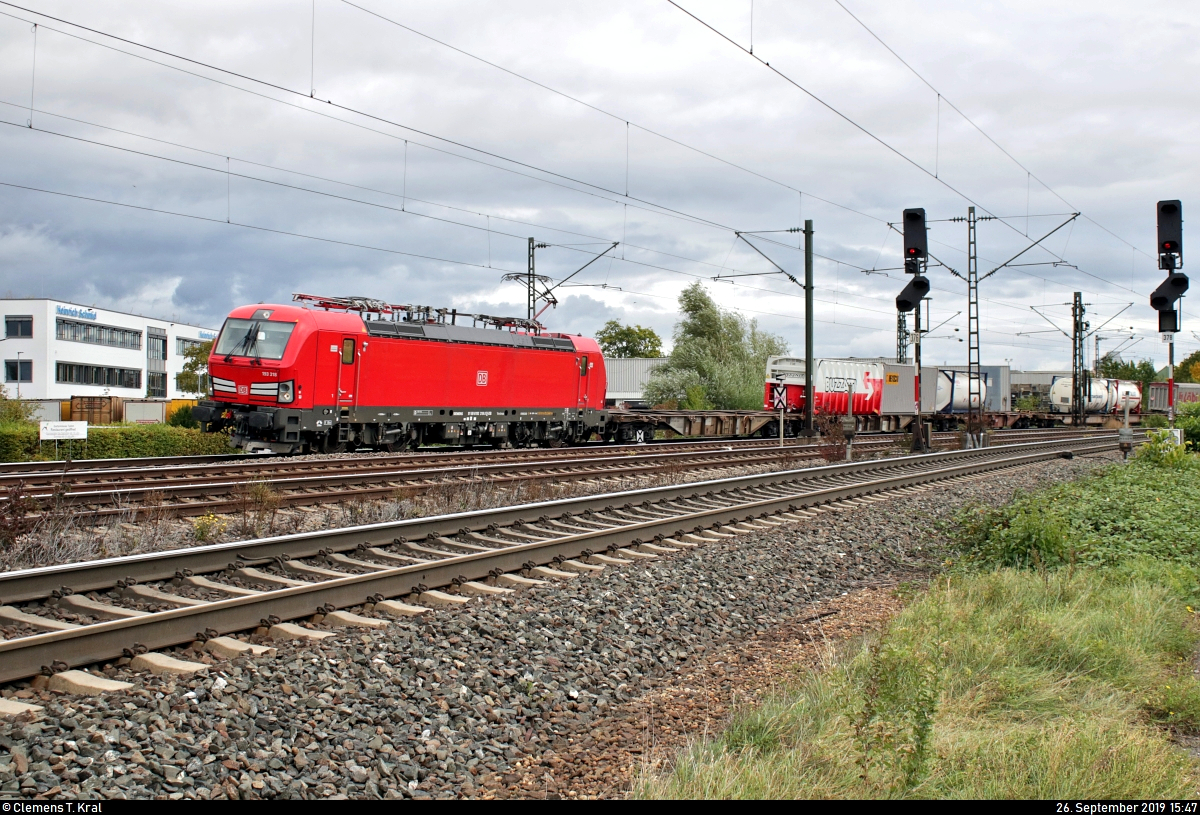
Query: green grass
x=1008, y=678
x=1002, y=685
x=1138, y=510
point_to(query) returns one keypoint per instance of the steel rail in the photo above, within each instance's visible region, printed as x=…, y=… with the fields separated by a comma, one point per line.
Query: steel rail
x=51, y=472
x=735, y=499
x=117, y=480
x=382, y=482
x=367, y=477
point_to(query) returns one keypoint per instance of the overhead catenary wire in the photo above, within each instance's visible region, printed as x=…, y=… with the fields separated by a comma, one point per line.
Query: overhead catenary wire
x=660, y=208
x=657, y=208
x=1028, y=173
x=329, y=195
x=458, y=223
x=652, y=204
x=615, y=116
x=856, y=125
x=255, y=227
x=403, y=195
x=288, y=233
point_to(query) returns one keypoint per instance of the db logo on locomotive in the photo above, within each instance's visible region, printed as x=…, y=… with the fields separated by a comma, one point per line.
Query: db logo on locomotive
x=481, y=378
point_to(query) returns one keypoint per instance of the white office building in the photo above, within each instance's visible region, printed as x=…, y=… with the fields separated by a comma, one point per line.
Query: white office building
x=55, y=350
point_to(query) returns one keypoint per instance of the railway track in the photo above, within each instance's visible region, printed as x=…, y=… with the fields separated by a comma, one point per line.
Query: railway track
x=174, y=490
x=63, y=616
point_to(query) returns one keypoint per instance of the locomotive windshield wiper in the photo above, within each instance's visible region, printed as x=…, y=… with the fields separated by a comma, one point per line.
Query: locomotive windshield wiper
x=248, y=347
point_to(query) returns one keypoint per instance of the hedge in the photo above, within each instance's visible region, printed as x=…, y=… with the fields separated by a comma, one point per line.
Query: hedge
x=19, y=442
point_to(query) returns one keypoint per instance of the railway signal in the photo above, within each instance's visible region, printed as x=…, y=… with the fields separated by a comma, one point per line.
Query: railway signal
x=1164, y=298
x=916, y=257
x=913, y=294
x=916, y=243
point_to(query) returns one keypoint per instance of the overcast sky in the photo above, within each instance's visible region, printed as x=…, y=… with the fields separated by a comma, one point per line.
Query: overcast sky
x=417, y=172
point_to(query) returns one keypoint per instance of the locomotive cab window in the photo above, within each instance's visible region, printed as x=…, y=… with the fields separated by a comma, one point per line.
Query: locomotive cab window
x=347, y=352
x=583, y=366
x=260, y=339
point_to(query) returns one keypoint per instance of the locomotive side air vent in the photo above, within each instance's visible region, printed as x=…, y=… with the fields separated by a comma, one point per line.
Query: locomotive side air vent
x=386, y=328
x=553, y=342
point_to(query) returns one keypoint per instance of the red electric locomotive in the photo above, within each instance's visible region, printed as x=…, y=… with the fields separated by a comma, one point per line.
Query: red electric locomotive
x=363, y=373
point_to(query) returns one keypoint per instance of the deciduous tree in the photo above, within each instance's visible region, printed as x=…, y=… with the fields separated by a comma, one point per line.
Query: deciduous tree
x=626, y=341
x=718, y=360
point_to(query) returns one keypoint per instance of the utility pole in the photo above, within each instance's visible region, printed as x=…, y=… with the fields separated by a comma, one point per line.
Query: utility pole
x=808, y=306
x=974, y=376
x=919, y=442
x=530, y=284
x=808, y=328
x=1080, y=386
x=901, y=338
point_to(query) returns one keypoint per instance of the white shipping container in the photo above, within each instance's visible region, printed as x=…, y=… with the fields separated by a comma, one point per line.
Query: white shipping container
x=954, y=392
x=1105, y=397
x=44, y=410
x=145, y=411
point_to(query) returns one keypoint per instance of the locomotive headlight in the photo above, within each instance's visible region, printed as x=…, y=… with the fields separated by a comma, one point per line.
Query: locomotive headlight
x=286, y=392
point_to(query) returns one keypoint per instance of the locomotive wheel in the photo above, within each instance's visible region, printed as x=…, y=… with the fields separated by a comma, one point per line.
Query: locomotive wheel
x=330, y=444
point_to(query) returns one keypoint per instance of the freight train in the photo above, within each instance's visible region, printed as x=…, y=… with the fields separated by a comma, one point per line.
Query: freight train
x=347, y=373
x=355, y=372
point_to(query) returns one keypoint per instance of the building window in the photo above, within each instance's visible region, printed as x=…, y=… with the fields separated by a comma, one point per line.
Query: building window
x=73, y=331
x=156, y=385
x=18, y=326
x=184, y=344
x=71, y=373
x=156, y=347
x=18, y=370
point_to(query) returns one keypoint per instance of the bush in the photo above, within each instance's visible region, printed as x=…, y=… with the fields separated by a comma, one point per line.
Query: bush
x=14, y=411
x=1162, y=451
x=1187, y=418
x=183, y=418
x=19, y=442
x=1154, y=420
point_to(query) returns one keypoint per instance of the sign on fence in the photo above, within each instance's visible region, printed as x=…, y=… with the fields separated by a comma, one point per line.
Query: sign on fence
x=55, y=431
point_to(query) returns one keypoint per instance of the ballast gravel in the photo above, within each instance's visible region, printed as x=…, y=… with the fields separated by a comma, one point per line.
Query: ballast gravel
x=472, y=701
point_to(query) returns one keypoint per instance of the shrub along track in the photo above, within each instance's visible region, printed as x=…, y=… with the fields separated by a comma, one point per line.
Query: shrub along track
x=163, y=599
x=168, y=488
